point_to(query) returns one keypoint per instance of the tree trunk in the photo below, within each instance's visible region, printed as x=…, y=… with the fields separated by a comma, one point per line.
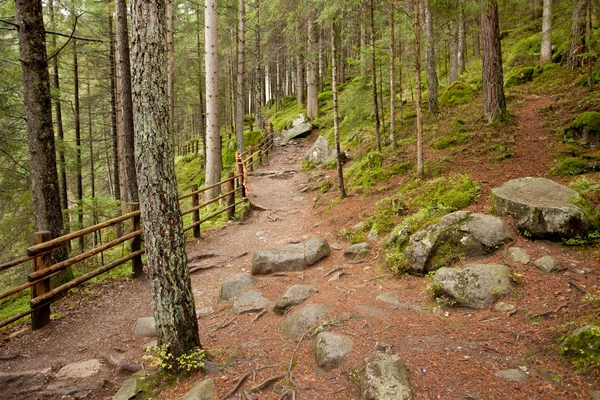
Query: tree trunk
x=95, y=235
x=374, y=79
x=546, y=51
x=336, y=114
x=392, y=79
x=494, y=102
x=241, y=75
x=78, y=144
x=213, y=134
x=577, y=40
x=461, y=39
x=432, y=80
x=363, y=47
x=113, y=114
x=453, y=49
x=43, y=174
x=417, y=28
x=258, y=88
x=300, y=81
x=126, y=101
x=312, y=95
x=171, y=62
x=168, y=273
x=200, y=51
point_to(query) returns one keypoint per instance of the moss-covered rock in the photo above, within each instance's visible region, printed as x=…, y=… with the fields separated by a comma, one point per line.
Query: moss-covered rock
x=582, y=345
x=457, y=93
x=523, y=75
x=585, y=129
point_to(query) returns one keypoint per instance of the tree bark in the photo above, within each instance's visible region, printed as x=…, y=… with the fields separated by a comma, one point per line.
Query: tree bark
x=336, y=114
x=432, y=79
x=312, y=95
x=168, y=273
x=577, y=41
x=374, y=79
x=546, y=51
x=258, y=77
x=126, y=101
x=453, y=50
x=461, y=39
x=43, y=174
x=171, y=62
x=113, y=114
x=300, y=81
x=493, y=82
x=241, y=74
x=80, y=240
x=417, y=29
x=392, y=79
x=200, y=51
x=213, y=134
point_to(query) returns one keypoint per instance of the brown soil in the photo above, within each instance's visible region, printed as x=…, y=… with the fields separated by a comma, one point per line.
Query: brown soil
x=450, y=353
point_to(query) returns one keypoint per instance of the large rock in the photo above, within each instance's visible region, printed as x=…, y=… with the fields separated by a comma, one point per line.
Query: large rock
x=460, y=234
x=543, y=208
x=235, y=286
x=331, y=350
x=582, y=343
x=321, y=152
x=145, y=327
x=13, y=383
x=384, y=376
x=474, y=285
x=292, y=297
x=204, y=390
x=80, y=370
x=300, y=128
x=297, y=323
x=129, y=390
x=358, y=252
x=251, y=301
x=291, y=257
x=548, y=264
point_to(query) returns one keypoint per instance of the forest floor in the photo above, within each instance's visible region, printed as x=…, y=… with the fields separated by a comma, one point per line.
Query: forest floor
x=450, y=353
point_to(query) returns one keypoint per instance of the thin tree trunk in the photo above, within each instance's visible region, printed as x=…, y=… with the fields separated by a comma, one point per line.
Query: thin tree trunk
x=300, y=81
x=113, y=115
x=171, y=62
x=546, y=51
x=453, y=49
x=577, y=41
x=126, y=101
x=392, y=79
x=493, y=82
x=174, y=310
x=374, y=80
x=417, y=28
x=336, y=114
x=363, y=47
x=78, y=144
x=312, y=100
x=432, y=79
x=259, y=87
x=96, y=234
x=461, y=39
x=241, y=74
x=213, y=135
x=200, y=51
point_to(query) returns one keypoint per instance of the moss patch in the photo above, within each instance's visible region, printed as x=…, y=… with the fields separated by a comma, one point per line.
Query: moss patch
x=457, y=93
x=523, y=75
x=582, y=346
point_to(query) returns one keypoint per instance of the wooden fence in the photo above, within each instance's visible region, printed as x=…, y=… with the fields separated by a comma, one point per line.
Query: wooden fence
x=40, y=253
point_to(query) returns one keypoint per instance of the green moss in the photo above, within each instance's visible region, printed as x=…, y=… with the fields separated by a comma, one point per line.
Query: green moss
x=582, y=346
x=523, y=75
x=525, y=51
x=370, y=170
x=569, y=166
x=452, y=140
x=588, y=120
x=457, y=93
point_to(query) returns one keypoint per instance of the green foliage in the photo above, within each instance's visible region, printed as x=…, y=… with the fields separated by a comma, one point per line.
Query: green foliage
x=569, y=166
x=281, y=118
x=587, y=120
x=13, y=305
x=371, y=169
x=500, y=152
x=522, y=75
x=165, y=362
x=458, y=136
x=457, y=93
x=526, y=51
x=582, y=346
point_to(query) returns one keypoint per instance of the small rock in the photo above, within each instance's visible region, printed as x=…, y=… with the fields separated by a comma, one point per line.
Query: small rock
x=145, y=327
x=373, y=234
x=297, y=323
x=515, y=375
x=331, y=350
x=235, y=286
x=336, y=276
x=129, y=390
x=503, y=307
x=260, y=233
x=18, y=333
x=149, y=345
x=204, y=310
x=250, y=301
x=204, y=390
x=390, y=298
x=548, y=264
x=293, y=296
x=336, y=246
x=358, y=227
x=518, y=255
x=383, y=376
x=80, y=370
x=316, y=249
x=317, y=224
x=24, y=379
x=357, y=252
x=298, y=198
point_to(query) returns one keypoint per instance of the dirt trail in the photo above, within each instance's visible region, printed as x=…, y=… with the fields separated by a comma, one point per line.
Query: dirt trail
x=450, y=353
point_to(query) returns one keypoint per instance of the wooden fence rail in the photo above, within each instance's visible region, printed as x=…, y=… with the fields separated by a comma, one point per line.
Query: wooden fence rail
x=41, y=252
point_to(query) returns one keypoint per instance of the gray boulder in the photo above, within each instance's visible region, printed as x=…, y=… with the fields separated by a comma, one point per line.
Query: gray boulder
x=515, y=375
x=251, y=301
x=293, y=296
x=79, y=370
x=129, y=390
x=204, y=390
x=474, y=285
x=235, y=286
x=13, y=383
x=331, y=350
x=145, y=327
x=300, y=128
x=291, y=257
x=384, y=376
x=518, y=255
x=357, y=252
x=321, y=152
x=583, y=343
x=543, y=208
x=300, y=321
x=460, y=234
x=548, y=264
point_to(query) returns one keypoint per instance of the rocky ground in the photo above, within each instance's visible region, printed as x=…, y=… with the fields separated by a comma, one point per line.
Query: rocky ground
x=449, y=352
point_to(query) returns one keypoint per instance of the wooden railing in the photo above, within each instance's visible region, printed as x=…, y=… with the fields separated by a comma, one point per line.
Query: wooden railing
x=41, y=252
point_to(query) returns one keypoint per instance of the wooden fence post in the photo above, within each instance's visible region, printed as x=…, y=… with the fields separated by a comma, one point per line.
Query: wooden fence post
x=251, y=160
x=196, y=213
x=239, y=170
x=41, y=316
x=136, y=242
x=230, y=197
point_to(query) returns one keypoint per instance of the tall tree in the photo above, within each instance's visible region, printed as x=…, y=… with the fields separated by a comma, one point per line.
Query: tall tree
x=43, y=174
x=546, y=52
x=461, y=42
x=258, y=78
x=336, y=114
x=300, y=80
x=169, y=276
x=213, y=134
x=171, y=61
x=494, y=103
x=374, y=78
x=126, y=101
x=417, y=30
x=432, y=79
x=241, y=75
x=77, y=112
x=312, y=95
x=392, y=79
x=113, y=114
x=577, y=40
